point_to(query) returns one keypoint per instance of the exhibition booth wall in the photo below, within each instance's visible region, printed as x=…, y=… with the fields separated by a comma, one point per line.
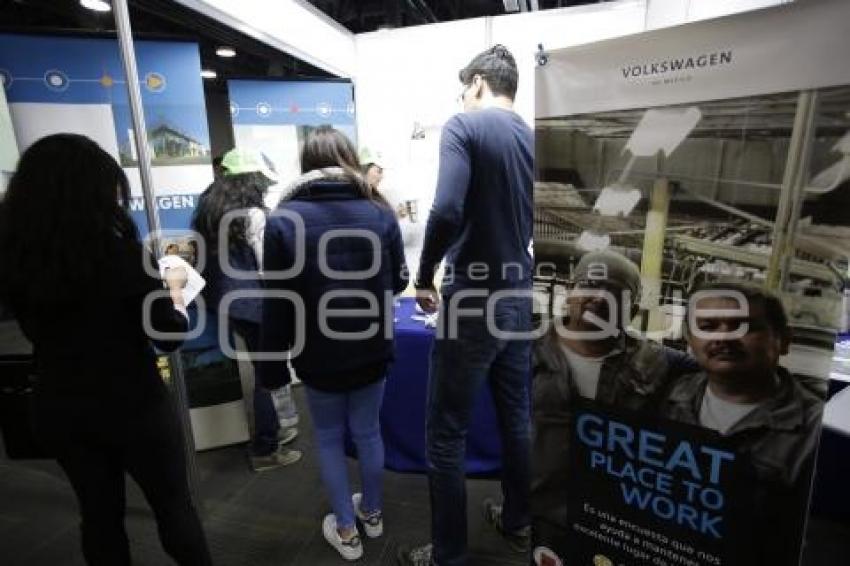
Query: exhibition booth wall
x=274, y=117
x=407, y=79
x=77, y=84
x=406, y=87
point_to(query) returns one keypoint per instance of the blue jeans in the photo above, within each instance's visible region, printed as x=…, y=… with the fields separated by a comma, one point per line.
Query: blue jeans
x=459, y=368
x=360, y=410
x=266, y=423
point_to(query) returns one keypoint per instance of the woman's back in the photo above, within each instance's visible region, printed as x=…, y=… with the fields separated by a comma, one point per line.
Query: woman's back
x=96, y=343
x=238, y=200
x=72, y=271
x=353, y=265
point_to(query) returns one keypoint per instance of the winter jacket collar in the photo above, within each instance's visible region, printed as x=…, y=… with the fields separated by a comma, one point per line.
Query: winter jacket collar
x=300, y=187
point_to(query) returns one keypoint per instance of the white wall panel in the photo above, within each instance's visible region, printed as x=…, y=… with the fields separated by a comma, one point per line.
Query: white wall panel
x=407, y=77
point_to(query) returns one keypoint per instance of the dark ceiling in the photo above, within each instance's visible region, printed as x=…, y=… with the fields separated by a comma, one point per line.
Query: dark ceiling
x=369, y=15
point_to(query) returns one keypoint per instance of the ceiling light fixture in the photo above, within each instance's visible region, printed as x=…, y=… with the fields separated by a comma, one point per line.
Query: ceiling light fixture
x=208, y=74
x=225, y=51
x=96, y=5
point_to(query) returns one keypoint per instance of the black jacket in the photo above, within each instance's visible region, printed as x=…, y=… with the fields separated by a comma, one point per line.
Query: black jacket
x=327, y=363
x=96, y=347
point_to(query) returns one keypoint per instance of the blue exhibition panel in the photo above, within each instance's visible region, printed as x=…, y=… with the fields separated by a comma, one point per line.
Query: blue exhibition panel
x=76, y=84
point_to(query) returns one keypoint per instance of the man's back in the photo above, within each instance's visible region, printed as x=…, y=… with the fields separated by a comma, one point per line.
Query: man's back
x=484, y=202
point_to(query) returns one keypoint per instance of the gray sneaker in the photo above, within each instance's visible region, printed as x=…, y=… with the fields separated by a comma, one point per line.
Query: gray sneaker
x=277, y=459
x=519, y=540
x=286, y=435
x=419, y=556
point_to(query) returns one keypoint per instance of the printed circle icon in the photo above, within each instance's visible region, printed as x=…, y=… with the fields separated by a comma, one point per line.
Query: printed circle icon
x=544, y=556
x=323, y=109
x=56, y=80
x=5, y=79
x=155, y=82
x=351, y=108
x=234, y=110
x=264, y=110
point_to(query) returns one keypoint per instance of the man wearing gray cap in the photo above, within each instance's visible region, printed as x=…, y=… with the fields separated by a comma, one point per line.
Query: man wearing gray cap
x=589, y=355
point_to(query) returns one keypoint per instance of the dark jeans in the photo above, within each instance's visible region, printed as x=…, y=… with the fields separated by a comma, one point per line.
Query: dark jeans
x=266, y=423
x=459, y=368
x=95, y=446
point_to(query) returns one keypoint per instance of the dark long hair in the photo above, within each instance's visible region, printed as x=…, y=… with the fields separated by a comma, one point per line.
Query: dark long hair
x=328, y=147
x=228, y=193
x=61, y=220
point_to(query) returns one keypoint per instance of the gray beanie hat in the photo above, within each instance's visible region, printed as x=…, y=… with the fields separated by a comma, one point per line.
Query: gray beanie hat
x=608, y=266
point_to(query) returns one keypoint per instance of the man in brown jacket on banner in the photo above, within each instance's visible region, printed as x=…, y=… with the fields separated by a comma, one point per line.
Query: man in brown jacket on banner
x=772, y=417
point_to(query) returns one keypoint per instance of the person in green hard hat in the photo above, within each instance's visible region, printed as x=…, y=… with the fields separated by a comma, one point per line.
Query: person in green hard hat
x=246, y=177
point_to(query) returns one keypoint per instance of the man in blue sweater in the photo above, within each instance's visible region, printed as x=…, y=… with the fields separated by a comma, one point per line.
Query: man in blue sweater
x=481, y=223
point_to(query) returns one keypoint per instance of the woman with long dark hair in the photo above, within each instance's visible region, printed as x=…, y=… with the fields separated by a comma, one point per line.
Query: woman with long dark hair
x=72, y=270
x=353, y=261
x=239, y=193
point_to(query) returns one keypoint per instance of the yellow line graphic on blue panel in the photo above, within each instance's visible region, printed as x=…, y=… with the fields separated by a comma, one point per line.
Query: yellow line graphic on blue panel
x=58, y=81
x=155, y=82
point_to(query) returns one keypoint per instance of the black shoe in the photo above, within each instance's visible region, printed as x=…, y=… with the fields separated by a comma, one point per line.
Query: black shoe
x=418, y=556
x=519, y=541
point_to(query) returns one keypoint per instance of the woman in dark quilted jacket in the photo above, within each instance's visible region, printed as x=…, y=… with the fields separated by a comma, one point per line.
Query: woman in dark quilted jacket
x=334, y=259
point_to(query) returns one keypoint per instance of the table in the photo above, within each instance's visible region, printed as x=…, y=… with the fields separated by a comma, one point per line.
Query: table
x=403, y=411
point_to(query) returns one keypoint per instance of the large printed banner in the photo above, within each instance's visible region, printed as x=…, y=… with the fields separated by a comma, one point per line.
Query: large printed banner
x=739, y=55
x=670, y=150
x=274, y=116
x=656, y=492
x=75, y=84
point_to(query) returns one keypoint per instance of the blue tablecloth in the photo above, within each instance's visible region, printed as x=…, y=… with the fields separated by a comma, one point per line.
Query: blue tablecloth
x=403, y=412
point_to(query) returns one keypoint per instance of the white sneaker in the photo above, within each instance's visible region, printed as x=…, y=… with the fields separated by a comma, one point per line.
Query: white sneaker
x=348, y=549
x=373, y=523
